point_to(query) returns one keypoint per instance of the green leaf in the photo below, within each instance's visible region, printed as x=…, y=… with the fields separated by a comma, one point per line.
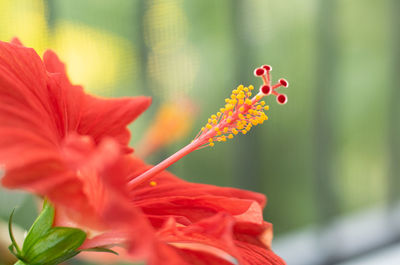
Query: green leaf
x=58, y=245
x=47, y=245
x=40, y=227
x=101, y=249
x=14, y=248
x=11, y=248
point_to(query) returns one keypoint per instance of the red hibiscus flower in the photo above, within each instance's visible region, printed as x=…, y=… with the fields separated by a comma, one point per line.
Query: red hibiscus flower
x=58, y=142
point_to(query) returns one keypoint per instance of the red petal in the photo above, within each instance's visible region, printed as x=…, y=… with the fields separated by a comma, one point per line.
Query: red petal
x=99, y=117
x=196, y=202
x=175, y=197
x=206, y=242
x=67, y=97
x=39, y=108
x=94, y=199
x=196, y=208
x=170, y=185
x=255, y=255
x=28, y=135
x=86, y=193
x=110, y=117
x=16, y=41
x=210, y=242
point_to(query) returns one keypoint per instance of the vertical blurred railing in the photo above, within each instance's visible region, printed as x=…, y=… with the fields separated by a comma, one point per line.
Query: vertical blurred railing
x=324, y=130
x=51, y=14
x=394, y=108
x=246, y=167
x=143, y=49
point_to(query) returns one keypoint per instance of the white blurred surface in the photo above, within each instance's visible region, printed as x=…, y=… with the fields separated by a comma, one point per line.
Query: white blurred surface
x=387, y=256
x=344, y=238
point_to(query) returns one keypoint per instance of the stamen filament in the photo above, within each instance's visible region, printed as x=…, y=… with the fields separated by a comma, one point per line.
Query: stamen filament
x=164, y=164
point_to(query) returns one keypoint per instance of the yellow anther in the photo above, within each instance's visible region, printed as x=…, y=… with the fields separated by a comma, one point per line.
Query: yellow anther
x=153, y=183
x=238, y=115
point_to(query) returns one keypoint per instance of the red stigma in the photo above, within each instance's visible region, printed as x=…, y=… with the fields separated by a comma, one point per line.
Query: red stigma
x=259, y=72
x=267, y=67
x=266, y=89
x=282, y=99
x=283, y=82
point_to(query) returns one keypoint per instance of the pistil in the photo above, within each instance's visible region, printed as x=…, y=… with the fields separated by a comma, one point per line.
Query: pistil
x=240, y=113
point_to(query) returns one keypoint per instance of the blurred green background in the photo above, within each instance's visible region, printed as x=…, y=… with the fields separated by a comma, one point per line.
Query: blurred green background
x=332, y=150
